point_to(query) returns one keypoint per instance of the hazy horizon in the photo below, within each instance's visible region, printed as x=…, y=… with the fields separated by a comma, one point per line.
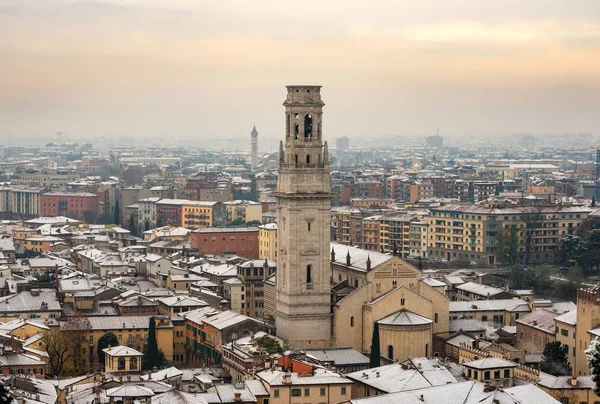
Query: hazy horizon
x=200, y=69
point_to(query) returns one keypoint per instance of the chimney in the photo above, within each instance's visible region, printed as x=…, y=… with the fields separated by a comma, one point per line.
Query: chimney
x=573, y=381
x=421, y=397
x=476, y=343
x=237, y=397
x=332, y=255
x=368, y=262
x=287, y=378
x=377, y=374
x=348, y=258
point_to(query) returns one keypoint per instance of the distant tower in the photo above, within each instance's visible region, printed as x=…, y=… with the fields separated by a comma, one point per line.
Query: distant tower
x=254, y=148
x=303, y=207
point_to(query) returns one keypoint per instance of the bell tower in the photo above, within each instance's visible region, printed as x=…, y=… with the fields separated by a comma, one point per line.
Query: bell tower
x=304, y=195
x=253, y=149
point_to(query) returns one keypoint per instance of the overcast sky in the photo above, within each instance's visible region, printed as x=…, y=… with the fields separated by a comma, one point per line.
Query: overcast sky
x=199, y=69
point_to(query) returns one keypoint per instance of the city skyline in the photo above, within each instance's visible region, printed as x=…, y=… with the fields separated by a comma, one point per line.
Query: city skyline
x=185, y=69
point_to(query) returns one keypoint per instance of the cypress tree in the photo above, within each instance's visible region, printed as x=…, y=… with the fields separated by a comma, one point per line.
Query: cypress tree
x=117, y=218
x=131, y=225
x=152, y=354
x=375, y=349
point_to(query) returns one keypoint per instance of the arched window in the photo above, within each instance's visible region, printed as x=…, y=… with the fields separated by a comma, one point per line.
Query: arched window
x=435, y=316
x=391, y=352
x=307, y=126
x=352, y=321
x=402, y=302
x=296, y=130
x=133, y=363
x=287, y=126
x=296, y=158
x=309, y=273
x=121, y=363
x=308, y=159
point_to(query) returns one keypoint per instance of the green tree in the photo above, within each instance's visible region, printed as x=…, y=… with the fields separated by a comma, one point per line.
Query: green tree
x=104, y=218
x=517, y=277
x=152, y=354
x=375, y=348
x=575, y=274
x=236, y=222
x=108, y=339
x=132, y=225
x=556, y=359
x=593, y=357
x=572, y=250
x=117, y=214
x=541, y=278
x=254, y=223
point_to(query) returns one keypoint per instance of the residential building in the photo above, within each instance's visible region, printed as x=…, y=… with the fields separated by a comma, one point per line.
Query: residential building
x=199, y=214
x=20, y=202
x=267, y=242
x=253, y=274
x=319, y=386
x=242, y=241
x=566, y=327
x=78, y=205
x=536, y=330
x=243, y=211
x=463, y=232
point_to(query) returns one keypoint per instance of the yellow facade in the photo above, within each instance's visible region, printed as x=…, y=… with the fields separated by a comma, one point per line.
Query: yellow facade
x=472, y=233
x=267, y=242
x=566, y=335
x=196, y=215
x=164, y=336
x=309, y=393
x=246, y=211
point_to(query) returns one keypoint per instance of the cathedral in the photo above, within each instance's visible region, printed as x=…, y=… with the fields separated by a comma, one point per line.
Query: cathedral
x=329, y=294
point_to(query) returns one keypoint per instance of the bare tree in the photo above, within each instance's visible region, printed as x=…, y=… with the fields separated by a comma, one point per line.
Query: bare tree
x=68, y=343
x=533, y=219
x=58, y=350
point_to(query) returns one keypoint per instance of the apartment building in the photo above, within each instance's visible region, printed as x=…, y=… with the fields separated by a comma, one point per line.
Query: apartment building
x=245, y=211
x=267, y=241
x=78, y=205
x=20, y=201
x=199, y=214
x=253, y=274
x=467, y=232
x=45, y=177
